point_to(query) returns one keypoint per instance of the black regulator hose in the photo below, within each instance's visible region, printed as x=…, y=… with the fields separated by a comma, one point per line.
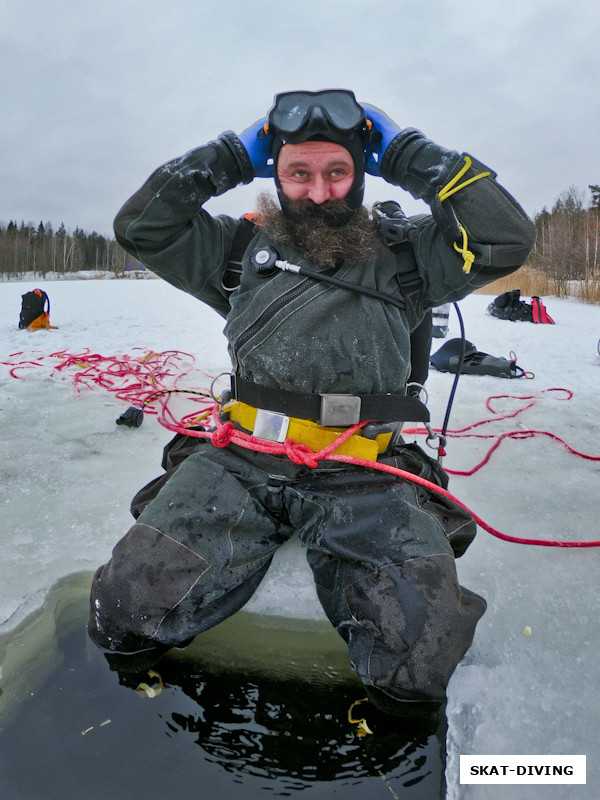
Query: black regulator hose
x=266, y=261
x=459, y=366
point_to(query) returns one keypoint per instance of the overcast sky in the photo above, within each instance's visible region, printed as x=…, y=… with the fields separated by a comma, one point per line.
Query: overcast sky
x=95, y=95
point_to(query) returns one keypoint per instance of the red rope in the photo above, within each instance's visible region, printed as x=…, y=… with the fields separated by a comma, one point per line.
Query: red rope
x=500, y=437
x=135, y=379
x=153, y=377
x=226, y=433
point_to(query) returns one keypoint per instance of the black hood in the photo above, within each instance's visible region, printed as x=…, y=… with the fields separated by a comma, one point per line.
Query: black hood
x=331, y=116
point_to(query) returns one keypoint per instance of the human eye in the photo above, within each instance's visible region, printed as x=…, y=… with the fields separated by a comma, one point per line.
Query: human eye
x=338, y=173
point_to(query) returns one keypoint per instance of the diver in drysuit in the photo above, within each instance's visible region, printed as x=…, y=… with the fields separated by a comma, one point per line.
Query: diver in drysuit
x=313, y=357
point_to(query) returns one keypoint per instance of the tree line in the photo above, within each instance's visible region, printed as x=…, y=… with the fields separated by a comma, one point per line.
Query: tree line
x=567, y=247
x=25, y=248
x=568, y=239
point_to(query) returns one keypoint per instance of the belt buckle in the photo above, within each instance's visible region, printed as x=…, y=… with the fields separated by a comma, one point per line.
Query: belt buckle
x=339, y=410
x=270, y=425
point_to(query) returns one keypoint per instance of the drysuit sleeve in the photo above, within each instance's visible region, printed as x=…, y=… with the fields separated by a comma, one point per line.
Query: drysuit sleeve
x=470, y=212
x=164, y=225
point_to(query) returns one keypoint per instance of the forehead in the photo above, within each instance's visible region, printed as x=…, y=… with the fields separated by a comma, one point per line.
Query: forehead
x=311, y=152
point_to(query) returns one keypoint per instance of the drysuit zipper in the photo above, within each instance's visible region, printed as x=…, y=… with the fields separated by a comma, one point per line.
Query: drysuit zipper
x=270, y=312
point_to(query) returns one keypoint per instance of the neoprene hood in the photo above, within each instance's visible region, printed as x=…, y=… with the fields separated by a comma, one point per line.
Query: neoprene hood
x=332, y=115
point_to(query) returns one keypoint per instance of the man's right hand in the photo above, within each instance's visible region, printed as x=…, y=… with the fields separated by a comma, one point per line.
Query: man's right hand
x=258, y=145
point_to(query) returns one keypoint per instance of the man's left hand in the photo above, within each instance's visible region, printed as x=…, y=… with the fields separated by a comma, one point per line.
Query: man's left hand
x=385, y=129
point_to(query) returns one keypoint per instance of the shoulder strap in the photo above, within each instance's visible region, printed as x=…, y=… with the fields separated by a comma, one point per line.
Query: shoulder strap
x=45, y=301
x=230, y=280
x=410, y=281
x=397, y=229
x=420, y=349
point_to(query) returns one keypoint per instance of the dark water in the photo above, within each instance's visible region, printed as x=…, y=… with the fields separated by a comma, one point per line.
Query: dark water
x=73, y=729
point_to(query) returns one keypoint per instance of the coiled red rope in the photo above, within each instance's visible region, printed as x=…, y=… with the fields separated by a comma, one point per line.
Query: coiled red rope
x=146, y=380
x=500, y=437
x=150, y=379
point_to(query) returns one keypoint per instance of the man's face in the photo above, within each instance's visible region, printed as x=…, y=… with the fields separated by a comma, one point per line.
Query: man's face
x=317, y=171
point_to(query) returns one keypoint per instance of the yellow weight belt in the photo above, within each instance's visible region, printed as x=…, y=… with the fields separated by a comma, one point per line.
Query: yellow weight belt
x=313, y=435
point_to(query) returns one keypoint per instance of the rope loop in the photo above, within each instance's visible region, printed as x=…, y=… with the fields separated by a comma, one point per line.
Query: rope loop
x=223, y=435
x=451, y=187
x=463, y=249
x=301, y=454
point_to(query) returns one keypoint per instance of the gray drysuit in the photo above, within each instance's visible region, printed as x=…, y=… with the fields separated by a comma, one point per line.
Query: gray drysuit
x=382, y=549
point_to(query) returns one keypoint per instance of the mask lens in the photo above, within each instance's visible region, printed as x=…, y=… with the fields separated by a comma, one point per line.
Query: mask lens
x=290, y=112
x=293, y=111
x=342, y=110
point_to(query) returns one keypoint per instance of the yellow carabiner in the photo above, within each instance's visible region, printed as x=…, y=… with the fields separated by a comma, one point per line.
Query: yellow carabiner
x=151, y=691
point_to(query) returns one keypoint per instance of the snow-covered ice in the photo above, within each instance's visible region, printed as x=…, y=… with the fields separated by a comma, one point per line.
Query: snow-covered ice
x=530, y=682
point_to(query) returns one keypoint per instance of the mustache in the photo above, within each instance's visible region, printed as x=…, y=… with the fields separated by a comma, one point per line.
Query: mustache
x=315, y=212
x=322, y=244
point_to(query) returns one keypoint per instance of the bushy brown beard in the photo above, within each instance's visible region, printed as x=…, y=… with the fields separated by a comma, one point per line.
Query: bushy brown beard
x=323, y=245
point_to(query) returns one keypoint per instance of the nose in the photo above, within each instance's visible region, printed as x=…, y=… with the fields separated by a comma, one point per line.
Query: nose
x=319, y=190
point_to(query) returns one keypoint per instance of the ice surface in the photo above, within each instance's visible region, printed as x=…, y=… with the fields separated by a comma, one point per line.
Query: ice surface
x=68, y=474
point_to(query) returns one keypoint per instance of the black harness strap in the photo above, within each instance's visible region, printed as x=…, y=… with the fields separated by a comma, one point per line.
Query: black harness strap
x=409, y=281
x=232, y=274
x=379, y=407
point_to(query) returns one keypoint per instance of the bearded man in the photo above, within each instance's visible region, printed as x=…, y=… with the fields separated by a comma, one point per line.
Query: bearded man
x=320, y=348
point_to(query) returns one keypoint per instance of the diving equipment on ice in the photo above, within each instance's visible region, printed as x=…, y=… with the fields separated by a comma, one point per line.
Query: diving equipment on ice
x=447, y=358
x=35, y=311
x=510, y=306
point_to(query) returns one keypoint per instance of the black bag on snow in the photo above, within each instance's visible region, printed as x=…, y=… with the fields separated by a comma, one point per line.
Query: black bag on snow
x=510, y=306
x=446, y=359
x=33, y=304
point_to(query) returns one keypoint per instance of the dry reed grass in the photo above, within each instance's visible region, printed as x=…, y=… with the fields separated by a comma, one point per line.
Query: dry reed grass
x=533, y=282
x=589, y=292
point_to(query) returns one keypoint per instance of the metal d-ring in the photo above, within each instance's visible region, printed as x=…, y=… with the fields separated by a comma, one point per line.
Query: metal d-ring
x=214, y=380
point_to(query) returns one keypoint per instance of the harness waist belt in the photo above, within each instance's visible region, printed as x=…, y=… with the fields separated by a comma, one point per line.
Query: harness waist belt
x=306, y=432
x=331, y=409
